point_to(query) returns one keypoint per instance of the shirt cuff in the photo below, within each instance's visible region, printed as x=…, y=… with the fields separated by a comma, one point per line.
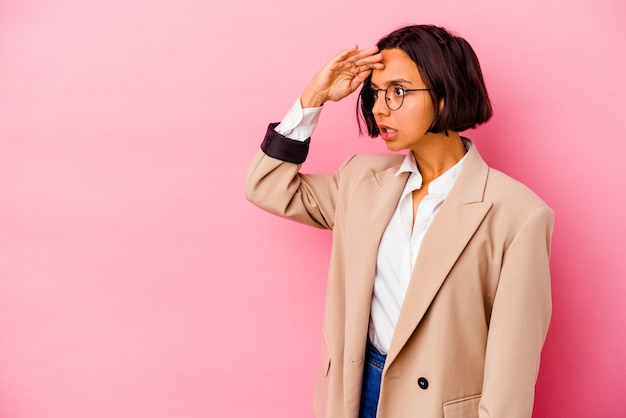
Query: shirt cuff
x=285, y=149
x=299, y=124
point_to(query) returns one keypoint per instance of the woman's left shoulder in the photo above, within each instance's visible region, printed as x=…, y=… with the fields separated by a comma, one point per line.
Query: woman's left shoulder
x=513, y=205
x=504, y=190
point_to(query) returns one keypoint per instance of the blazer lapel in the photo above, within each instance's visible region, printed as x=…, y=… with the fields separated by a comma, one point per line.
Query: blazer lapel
x=455, y=224
x=380, y=193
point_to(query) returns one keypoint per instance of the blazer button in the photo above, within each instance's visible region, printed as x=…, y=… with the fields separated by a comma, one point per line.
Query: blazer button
x=422, y=383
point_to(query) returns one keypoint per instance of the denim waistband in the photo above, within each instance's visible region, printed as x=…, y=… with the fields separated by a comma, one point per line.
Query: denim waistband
x=374, y=357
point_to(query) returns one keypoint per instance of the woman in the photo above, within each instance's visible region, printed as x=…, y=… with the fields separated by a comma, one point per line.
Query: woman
x=438, y=298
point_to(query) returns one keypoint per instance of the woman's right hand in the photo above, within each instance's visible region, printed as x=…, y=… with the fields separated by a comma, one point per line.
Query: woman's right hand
x=341, y=76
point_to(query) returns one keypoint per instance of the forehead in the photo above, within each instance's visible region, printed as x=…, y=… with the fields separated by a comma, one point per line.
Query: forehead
x=398, y=67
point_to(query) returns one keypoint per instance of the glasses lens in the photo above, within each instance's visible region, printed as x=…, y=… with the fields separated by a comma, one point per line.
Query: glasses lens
x=394, y=96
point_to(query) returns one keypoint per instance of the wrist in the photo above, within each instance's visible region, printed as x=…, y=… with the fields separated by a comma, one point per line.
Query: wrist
x=311, y=99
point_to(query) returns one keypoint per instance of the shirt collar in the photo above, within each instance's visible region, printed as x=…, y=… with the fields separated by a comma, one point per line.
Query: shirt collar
x=445, y=181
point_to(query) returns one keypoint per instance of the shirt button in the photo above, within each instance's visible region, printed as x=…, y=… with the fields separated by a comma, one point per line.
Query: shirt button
x=422, y=383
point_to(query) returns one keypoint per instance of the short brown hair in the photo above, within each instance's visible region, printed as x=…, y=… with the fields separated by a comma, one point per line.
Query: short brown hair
x=450, y=69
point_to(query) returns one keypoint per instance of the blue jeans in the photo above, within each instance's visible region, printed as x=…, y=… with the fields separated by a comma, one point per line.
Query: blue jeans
x=372, y=375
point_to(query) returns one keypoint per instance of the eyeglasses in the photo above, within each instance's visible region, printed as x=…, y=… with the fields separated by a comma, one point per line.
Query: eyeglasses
x=394, y=95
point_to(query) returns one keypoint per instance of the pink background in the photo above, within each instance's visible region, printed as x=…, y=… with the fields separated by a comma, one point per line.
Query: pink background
x=137, y=281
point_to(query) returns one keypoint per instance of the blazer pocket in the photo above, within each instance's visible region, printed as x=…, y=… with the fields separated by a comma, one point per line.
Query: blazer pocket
x=462, y=408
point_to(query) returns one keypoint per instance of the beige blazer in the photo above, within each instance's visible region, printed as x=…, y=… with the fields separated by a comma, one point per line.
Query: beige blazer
x=477, y=309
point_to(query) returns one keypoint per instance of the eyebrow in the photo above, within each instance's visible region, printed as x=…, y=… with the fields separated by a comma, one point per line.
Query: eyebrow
x=394, y=81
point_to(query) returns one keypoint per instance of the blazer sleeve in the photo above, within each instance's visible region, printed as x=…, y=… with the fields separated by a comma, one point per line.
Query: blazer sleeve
x=519, y=321
x=274, y=183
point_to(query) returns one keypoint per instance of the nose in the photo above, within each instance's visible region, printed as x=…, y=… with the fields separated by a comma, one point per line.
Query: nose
x=380, y=107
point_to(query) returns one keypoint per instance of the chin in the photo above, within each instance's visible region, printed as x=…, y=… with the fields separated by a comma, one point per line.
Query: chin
x=393, y=147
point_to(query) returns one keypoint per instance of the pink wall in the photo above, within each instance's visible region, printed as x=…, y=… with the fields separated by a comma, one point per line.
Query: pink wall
x=136, y=281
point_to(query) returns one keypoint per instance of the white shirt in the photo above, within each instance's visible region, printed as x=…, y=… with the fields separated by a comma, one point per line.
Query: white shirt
x=402, y=238
x=400, y=245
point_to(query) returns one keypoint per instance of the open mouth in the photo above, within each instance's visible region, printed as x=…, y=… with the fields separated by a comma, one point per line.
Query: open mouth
x=387, y=133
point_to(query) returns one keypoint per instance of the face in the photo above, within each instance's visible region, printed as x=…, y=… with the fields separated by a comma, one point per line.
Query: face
x=405, y=128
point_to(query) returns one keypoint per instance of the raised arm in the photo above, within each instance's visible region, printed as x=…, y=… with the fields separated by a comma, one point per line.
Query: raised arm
x=274, y=181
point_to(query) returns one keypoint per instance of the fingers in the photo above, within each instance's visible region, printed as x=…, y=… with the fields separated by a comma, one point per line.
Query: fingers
x=360, y=78
x=343, y=74
x=370, y=65
x=356, y=61
x=345, y=54
x=365, y=53
x=367, y=59
x=354, y=55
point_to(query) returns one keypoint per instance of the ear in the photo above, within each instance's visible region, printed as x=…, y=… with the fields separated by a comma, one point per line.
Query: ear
x=441, y=104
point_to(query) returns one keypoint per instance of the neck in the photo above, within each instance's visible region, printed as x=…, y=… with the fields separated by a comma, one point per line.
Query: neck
x=438, y=153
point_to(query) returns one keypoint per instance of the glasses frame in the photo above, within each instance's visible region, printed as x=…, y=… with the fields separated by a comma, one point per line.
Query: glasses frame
x=376, y=94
